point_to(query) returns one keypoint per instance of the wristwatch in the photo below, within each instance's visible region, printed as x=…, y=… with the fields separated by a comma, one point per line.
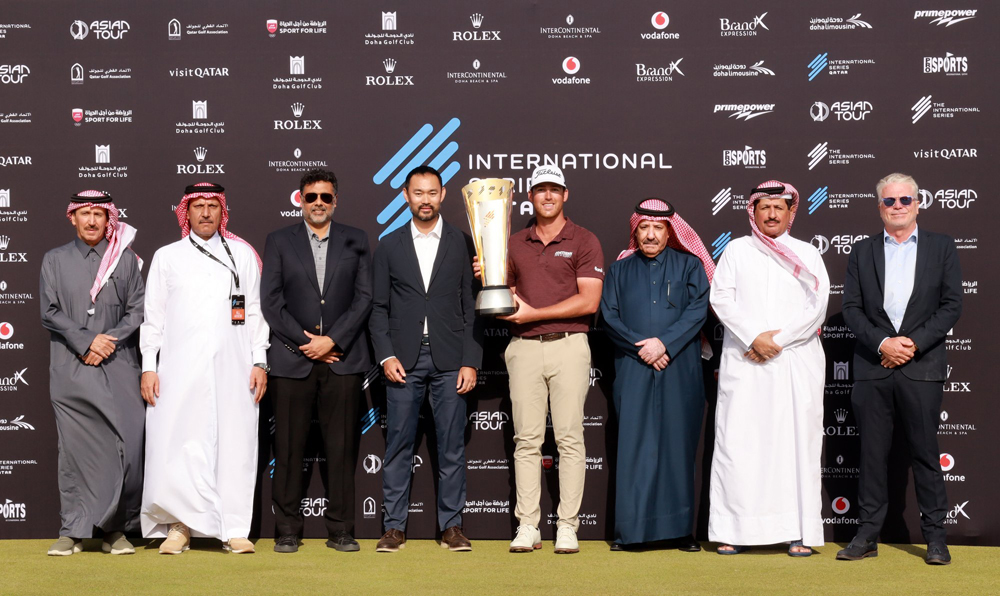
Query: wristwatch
x=263, y=366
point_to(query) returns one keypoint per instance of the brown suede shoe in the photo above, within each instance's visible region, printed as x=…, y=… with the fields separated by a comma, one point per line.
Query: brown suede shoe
x=454, y=540
x=391, y=541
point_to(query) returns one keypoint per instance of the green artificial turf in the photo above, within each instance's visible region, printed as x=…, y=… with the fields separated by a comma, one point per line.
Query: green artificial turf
x=423, y=567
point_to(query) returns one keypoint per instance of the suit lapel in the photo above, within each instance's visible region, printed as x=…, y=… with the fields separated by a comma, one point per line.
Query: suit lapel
x=446, y=234
x=334, y=248
x=410, y=254
x=300, y=243
x=878, y=255
x=923, y=246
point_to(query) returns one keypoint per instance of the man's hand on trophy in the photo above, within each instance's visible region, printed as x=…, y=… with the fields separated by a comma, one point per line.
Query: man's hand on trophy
x=476, y=269
x=523, y=312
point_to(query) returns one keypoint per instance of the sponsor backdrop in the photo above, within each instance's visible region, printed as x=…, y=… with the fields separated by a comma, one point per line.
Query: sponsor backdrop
x=692, y=102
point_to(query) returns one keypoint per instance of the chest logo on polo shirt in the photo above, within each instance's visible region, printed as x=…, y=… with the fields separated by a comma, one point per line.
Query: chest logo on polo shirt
x=563, y=253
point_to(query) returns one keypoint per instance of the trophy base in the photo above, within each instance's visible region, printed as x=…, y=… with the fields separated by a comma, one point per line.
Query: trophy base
x=495, y=300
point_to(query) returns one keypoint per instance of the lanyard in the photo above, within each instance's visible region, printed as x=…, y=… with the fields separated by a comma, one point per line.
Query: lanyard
x=236, y=276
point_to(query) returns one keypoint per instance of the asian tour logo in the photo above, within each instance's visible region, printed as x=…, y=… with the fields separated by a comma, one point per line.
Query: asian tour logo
x=13, y=74
x=435, y=153
x=79, y=30
x=372, y=464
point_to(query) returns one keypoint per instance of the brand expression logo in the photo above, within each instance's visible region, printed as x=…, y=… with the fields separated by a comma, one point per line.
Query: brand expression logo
x=571, y=65
x=947, y=462
x=952, y=517
x=841, y=505
x=720, y=243
x=730, y=28
x=6, y=330
x=945, y=17
x=645, y=73
x=372, y=463
x=413, y=153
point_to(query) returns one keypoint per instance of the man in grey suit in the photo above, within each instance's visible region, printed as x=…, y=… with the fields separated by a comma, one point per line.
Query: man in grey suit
x=902, y=293
x=316, y=295
x=423, y=330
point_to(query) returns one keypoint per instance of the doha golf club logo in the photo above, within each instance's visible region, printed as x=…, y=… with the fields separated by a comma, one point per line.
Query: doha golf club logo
x=420, y=149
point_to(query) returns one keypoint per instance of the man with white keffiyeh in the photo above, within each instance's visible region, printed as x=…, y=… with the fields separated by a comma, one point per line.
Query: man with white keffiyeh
x=770, y=291
x=204, y=366
x=91, y=298
x=654, y=303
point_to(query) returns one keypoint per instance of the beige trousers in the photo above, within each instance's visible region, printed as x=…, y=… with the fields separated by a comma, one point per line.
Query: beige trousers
x=553, y=375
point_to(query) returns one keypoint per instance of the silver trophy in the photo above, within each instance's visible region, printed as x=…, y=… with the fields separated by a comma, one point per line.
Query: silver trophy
x=488, y=203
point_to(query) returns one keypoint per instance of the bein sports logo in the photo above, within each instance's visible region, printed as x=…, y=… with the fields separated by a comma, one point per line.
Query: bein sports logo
x=408, y=157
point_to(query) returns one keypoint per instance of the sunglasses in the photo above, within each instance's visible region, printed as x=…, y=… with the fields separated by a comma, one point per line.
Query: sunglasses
x=310, y=197
x=890, y=201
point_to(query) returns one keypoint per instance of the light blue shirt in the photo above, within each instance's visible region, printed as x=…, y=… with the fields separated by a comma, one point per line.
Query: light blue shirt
x=900, y=268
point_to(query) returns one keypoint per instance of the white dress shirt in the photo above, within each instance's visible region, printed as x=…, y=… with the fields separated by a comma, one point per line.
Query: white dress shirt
x=426, y=246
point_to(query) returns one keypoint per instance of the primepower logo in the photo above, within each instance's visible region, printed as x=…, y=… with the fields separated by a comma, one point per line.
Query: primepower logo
x=415, y=152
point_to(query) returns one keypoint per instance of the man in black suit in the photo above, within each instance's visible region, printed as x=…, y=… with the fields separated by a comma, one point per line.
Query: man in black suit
x=316, y=294
x=423, y=330
x=902, y=294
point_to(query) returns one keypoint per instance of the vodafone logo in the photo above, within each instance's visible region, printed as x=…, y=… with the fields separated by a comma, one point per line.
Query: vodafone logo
x=571, y=65
x=660, y=20
x=947, y=462
x=296, y=199
x=841, y=505
x=6, y=330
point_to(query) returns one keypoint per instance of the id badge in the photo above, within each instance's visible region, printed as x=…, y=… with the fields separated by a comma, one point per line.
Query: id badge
x=239, y=309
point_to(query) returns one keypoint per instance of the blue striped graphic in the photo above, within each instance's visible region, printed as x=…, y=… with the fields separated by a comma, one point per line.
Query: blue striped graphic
x=817, y=65
x=395, y=164
x=818, y=198
x=369, y=419
x=720, y=244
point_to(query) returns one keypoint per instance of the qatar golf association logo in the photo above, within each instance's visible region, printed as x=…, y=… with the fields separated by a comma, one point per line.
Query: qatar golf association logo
x=841, y=505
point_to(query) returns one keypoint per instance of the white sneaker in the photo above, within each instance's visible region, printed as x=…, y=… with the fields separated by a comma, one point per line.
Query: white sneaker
x=528, y=539
x=566, y=542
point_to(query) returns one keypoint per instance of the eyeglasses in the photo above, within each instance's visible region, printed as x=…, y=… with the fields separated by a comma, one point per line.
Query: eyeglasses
x=890, y=201
x=310, y=197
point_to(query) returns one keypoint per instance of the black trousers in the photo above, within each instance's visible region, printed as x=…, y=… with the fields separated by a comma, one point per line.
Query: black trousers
x=337, y=400
x=919, y=405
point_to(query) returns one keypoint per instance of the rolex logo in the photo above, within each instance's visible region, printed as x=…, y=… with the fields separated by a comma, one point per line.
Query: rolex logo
x=297, y=108
x=390, y=65
x=200, y=153
x=841, y=415
x=477, y=20
x=4, y=242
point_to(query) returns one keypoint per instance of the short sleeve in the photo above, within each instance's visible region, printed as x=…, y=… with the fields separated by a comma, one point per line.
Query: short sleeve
x=590, y=262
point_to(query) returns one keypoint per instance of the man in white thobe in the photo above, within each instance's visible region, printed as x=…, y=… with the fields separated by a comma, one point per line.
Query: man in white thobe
x=203, y=320
x=770, y=291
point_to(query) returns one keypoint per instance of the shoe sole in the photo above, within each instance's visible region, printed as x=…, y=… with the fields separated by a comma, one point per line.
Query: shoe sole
x=526, y=549
x=65, y=553
x=456, y=549
x=174, y=552
x=286, y=550
x=386, y=549
x=117, y=551
x=349, y=548
x=566, y=551
x=938, y=562
x=864, y=556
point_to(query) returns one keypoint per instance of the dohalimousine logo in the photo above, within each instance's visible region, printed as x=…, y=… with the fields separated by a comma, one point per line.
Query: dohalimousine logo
x=413, y=153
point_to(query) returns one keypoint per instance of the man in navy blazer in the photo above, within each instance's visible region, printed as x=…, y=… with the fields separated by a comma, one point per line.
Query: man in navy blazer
x=316, y=294
x=425, y=337
x=902, y=294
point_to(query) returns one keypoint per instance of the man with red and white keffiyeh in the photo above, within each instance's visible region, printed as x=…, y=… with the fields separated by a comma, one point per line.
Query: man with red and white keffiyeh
x=770, y=291
x=204, y=366
x=654, y=303
x=91, y=299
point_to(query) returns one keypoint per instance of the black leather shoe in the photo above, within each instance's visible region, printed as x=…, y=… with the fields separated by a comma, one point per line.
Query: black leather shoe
x=687, y=544
x=858, y=549
x=343, y=542
x=617, y=547
x=287, y=544
x=937, y=554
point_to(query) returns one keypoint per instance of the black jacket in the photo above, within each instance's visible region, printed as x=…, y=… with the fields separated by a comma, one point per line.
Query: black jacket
x=400, y=302
x=933, y=309
x=292, y=302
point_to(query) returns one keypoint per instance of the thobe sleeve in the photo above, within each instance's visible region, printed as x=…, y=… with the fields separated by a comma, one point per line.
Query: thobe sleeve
x=934, y=330
x=347, y=327
x=688, y=325
x=725, y=302
x=54, y=319
x=272, y=296
x=810, y=318
x=254, y=317
x=155, y=311
x=134, y=295
x=623, y=337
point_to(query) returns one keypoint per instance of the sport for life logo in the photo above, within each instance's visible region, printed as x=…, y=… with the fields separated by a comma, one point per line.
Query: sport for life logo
x=409, y=157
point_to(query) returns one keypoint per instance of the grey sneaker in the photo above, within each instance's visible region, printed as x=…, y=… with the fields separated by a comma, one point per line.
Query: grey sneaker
x=115, y=543
x=65, y=547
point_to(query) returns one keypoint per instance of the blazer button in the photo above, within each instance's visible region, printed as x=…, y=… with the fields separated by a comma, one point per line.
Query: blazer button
x=322, y=301
x=317, y=327
x=427, y=298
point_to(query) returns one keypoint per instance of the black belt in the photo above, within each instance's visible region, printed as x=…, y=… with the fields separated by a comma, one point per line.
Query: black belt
x=425, y=340
x=549, y=336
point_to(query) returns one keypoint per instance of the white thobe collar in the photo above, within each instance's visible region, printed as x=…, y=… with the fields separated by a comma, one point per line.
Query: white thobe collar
x=213, y=243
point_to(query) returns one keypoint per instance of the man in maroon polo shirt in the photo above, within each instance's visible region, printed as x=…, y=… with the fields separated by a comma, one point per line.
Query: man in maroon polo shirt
x=556, y=270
